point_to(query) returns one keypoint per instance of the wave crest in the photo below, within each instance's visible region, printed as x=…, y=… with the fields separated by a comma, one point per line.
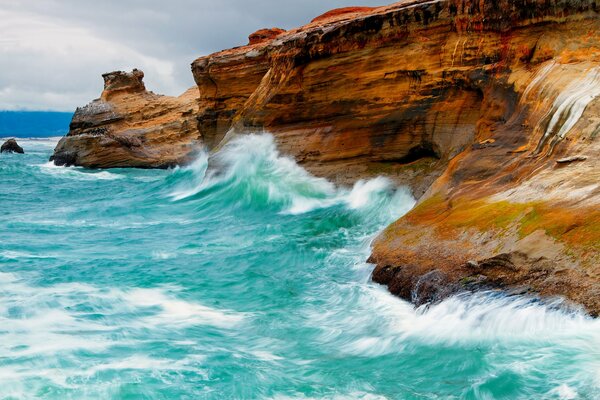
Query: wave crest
x=250, y=170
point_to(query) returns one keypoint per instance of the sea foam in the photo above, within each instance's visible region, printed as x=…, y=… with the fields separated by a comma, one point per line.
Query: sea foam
x=77, y=173
x=250, y=169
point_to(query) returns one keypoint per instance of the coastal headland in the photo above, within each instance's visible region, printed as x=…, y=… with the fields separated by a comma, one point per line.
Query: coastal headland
x=488, y=110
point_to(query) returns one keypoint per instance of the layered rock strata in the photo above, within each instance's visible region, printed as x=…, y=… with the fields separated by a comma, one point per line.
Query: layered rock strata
x=129, y=126
x=488, y=109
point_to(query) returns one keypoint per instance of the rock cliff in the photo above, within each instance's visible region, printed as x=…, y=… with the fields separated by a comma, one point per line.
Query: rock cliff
x=488, y=109
x=129, y=126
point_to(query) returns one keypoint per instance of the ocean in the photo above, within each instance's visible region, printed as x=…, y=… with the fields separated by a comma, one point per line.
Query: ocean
x=24, y=124
x=246, y=279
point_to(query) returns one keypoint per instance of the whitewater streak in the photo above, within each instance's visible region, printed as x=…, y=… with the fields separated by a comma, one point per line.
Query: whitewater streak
x=244, y=277
x=251, y=168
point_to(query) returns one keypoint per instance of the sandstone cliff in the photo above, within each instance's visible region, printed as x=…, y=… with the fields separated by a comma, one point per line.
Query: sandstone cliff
x=488, y=109
x=129, y=126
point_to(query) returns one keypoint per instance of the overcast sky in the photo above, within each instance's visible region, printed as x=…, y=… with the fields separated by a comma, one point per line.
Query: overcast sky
x=52, y=52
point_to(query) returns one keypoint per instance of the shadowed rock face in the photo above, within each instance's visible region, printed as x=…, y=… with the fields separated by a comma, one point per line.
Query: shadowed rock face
x=487, y=109
x=11, y=146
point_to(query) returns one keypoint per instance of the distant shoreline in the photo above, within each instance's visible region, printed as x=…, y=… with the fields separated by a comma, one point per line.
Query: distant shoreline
x=34, y=124
x=58, y=137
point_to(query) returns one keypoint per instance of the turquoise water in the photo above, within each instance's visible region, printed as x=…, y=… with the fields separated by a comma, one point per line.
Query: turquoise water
x=249, y=283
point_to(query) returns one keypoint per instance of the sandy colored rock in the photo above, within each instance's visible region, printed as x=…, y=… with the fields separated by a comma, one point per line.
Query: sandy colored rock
x=473, y=104
x=264, y=35
x=129, y=126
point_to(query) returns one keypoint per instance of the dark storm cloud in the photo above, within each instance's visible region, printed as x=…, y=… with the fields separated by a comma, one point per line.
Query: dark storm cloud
x=52, y=52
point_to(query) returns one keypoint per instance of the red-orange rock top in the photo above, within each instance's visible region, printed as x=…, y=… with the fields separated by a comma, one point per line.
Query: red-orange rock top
x=263, y=35
x=342, y=12
x=333, y=17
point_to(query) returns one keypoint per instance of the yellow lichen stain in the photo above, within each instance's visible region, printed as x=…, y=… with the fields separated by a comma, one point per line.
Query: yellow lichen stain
x=576, y=228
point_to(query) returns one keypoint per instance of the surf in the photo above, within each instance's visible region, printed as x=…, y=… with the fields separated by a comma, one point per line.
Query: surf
x=244, y=276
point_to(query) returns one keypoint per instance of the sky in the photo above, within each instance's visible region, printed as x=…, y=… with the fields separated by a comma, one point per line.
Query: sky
x=53, y=52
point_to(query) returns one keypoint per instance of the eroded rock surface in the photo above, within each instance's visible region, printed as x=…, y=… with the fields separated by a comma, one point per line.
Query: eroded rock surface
x=264, y=35
x=488, y=109
x=129, y=126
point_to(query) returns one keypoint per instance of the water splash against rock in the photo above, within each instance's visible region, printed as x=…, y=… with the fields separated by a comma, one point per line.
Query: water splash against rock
x=250, y=169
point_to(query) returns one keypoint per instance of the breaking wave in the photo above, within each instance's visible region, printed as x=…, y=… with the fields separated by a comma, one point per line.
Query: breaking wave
x=249, y=170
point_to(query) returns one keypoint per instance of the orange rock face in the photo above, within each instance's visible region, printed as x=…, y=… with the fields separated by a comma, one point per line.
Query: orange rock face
x=264, y=35
x=122, y=82
x=131, y=127
x=339, y=13
x=487, y=109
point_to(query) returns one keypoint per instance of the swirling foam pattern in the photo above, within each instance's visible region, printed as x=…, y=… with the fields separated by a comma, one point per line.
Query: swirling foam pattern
x=244, y=278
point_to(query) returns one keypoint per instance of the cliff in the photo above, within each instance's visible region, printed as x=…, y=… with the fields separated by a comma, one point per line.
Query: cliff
x=488, y=109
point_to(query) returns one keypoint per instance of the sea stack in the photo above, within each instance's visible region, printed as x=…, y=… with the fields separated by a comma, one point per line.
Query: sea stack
x=11, y=146
x=129, y=126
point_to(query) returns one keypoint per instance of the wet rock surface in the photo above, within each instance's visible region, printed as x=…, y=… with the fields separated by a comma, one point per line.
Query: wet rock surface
x=11, y=146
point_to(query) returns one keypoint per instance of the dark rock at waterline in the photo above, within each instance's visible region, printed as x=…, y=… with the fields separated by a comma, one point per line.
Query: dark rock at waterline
x=11, y=146
x=64, y=158
x=412, y=285
x=421, y=285
x=514, y=274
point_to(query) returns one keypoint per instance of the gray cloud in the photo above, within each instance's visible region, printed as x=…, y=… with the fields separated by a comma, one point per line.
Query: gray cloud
x=52, y=52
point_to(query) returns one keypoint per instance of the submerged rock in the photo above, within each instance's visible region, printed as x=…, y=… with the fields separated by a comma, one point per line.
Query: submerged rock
x=11, y=146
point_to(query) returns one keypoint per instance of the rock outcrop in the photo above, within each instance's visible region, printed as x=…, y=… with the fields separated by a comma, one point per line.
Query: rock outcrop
x=11, y=146
x=264, y=35
x=488, y=109
x=129, y=126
